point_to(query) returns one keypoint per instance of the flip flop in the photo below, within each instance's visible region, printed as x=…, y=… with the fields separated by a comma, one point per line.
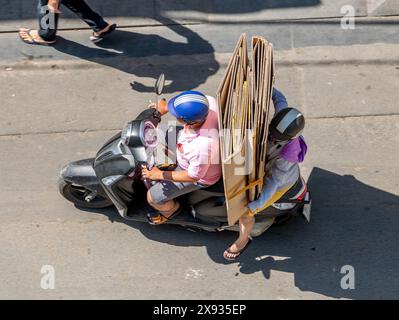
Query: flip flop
x=156, y=218
x=238, y=253
x=102, y=35
x=33, y=41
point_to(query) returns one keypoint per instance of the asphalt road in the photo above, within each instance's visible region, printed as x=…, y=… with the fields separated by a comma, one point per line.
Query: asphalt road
x=60, y=104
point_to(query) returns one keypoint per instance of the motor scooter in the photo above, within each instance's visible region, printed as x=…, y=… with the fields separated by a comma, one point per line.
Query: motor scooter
x=113, y=178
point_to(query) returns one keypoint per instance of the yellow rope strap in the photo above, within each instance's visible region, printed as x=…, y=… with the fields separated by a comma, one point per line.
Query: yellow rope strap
x=249, y=186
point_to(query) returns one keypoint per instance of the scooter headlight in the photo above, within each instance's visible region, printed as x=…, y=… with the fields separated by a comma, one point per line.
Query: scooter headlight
x=149, y=134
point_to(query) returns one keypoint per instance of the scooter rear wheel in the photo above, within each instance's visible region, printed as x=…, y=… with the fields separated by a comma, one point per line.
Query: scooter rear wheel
x=78, y=194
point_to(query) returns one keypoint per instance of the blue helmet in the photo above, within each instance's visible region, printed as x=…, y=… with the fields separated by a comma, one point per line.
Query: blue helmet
x=189, y=106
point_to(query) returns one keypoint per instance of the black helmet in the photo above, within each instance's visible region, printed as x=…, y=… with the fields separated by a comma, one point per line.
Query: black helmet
x=287, y=124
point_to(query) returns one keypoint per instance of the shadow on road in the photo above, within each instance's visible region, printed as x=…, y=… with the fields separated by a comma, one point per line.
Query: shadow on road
x=121, y=50
x=352, y=224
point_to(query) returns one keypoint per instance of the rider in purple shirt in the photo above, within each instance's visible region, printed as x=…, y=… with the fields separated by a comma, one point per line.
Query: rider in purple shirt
x=286, y=148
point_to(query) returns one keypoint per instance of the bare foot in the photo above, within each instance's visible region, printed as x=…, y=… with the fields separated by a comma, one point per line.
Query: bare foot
x=32, y=37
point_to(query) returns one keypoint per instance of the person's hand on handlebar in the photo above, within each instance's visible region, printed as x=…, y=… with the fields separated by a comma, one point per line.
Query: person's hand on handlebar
x=153, y=174
x=162, y=106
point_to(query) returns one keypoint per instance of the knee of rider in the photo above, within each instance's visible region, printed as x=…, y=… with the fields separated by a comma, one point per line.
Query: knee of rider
x=150, y=200
x=153, y=201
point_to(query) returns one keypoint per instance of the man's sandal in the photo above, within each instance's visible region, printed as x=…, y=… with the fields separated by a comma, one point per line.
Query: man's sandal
x=100, y=36
x=234, y=255
x=156, y=218
x=31, y=40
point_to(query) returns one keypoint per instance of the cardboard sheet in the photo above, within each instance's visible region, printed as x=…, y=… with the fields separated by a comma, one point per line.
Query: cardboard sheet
x=244, y=97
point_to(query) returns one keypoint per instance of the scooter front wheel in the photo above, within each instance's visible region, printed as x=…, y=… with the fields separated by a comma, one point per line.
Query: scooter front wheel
x=81, y=196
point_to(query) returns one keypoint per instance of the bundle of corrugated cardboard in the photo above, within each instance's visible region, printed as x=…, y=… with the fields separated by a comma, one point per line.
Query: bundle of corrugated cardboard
x=244, y=97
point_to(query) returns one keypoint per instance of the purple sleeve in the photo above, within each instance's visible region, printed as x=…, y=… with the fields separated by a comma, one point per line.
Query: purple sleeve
x=279, y=100
x=295, y=150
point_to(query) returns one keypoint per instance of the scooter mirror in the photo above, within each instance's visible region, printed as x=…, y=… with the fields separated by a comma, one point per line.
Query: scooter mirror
x=159, y=84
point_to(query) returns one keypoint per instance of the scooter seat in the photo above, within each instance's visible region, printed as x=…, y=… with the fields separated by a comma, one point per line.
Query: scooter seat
x=218, y=187
x=215, y=190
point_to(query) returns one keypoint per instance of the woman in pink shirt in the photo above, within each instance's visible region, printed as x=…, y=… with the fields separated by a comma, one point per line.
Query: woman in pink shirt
x=198, y=156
